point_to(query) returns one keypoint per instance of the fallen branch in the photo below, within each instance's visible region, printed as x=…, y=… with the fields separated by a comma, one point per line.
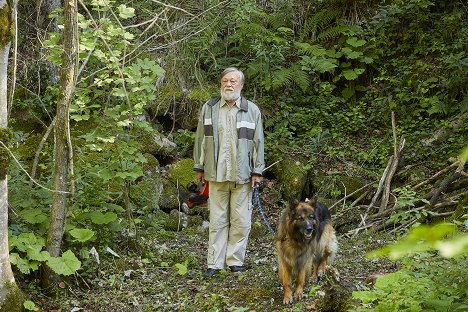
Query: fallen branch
x=443, y=186
x=351, y=194
x=435, y=176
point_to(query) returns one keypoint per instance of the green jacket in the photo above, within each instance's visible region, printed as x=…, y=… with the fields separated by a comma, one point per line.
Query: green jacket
x=250, y=141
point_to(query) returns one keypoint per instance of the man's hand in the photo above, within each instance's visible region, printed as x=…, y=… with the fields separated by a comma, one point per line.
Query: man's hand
x=200, y=176
x=256, y=180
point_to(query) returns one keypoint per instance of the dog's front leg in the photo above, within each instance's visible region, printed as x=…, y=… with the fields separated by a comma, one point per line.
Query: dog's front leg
x=285, y=278
x=300, y=282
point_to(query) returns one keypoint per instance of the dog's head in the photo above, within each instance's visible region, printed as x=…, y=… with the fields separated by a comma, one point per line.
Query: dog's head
x=302, y=218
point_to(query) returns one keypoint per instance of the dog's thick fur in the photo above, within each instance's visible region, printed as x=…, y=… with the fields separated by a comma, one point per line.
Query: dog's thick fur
x=305, y=244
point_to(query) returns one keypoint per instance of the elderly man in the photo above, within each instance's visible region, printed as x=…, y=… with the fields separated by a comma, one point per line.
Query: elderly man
x=229, y=153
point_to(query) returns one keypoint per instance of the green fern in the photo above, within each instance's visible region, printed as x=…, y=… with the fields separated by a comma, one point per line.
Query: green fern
x=310, y=50
x=319, y=21
x=288, y=76
x=332, y=33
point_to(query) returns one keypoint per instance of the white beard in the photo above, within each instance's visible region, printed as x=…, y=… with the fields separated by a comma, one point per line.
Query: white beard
x=230, y=95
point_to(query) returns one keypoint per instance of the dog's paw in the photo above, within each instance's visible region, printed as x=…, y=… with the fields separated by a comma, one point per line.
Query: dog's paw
x=288, y=298
x=299, y=294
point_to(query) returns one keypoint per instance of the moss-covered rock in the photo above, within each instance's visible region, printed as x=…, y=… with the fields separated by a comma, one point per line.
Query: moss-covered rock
x=147, y=192
x=182, y=171
x=28, y=149
x=200, y=210
x=14, y=298
x=168, y=198
x=154, y=142
x=291, y=178
x=152, y=164
x=195, y=221
x=175, y=221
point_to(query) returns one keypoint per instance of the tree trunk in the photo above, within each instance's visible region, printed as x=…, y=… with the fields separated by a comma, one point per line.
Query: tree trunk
x=10, y=296
x=62, y=127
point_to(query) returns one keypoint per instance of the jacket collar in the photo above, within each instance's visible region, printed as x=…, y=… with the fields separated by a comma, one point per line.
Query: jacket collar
x=244, y=104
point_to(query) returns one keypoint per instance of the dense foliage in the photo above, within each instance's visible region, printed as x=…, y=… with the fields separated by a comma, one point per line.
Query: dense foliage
x=327, y=75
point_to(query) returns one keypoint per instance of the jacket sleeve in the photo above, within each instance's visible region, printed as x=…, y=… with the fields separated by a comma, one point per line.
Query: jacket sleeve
x=259, y=158
x=198, y=148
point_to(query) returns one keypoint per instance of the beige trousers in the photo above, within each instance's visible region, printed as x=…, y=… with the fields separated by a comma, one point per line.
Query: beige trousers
x=230, y=221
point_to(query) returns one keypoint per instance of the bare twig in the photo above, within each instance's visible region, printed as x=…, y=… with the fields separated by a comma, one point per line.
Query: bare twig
x=22, y=168
x=351, y=194
x=39, y=150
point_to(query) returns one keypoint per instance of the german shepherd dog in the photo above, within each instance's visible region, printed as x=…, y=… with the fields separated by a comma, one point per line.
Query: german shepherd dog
x=305, y=244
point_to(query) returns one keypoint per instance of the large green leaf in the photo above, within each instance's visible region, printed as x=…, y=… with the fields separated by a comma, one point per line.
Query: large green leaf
x=352, y=74
x=98, y=217
x=355, y=42
x=66, y=265
x=82, y=235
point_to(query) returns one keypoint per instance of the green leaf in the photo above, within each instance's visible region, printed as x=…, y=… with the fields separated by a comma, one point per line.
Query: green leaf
x=33, y=216
x=355, y=42
x=66, y=265
x=38, y=255
x=464, y=154
x=126, y=12
x=352, y=74
x=347, y=93
x=20, y=263
x=82, y=235
x=29, y=305
x=98, y=217
x=182, y=269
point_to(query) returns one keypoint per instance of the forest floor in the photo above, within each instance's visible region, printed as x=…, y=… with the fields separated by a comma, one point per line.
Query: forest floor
x=163, y=271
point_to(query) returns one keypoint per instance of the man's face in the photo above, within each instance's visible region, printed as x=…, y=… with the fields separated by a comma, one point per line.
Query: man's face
x=231, y=86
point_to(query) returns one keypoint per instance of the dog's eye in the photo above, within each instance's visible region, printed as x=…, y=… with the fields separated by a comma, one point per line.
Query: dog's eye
x=311, y=216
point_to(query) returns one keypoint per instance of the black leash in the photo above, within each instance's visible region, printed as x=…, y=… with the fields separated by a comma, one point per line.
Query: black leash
x=256, y=197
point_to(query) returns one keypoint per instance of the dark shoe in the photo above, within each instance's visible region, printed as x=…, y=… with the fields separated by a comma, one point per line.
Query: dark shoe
x=210, y=272
x=237, y=268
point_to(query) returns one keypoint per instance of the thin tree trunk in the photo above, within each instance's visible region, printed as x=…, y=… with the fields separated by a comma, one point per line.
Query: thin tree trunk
x=10, y=296
x=62, y=128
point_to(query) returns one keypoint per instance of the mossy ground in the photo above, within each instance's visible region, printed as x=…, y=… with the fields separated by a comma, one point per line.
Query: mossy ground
x=146, y=276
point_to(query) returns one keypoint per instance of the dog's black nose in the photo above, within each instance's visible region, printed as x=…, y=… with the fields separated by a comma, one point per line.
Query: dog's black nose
x=309, y=229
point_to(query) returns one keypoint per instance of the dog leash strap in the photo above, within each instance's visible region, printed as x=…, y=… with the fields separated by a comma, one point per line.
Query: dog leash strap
x=259, y=206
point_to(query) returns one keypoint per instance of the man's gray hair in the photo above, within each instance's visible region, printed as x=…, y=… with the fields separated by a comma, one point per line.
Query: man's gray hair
x=233, y=69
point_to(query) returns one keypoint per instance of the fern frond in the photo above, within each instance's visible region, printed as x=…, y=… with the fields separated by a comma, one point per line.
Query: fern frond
x=318, y=21
x=300, y=77
x=310, y=50
x=288, y=76
x=281, y=77
x=332, y=33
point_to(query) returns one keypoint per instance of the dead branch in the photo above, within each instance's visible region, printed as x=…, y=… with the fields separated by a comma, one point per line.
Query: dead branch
x=361, y=197
x=381, y=185
x=397, y=148
x=435, y=176
x=443, y=186
x=351, y=194
x=39, y=150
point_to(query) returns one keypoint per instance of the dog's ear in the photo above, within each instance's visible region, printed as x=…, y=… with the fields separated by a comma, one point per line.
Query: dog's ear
x=292, y=208
x=312, y=201
x=293, y=204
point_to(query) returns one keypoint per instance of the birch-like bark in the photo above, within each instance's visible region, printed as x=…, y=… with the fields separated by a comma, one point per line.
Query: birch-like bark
x=7, y=281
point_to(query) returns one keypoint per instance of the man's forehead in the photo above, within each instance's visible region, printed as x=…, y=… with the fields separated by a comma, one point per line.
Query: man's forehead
x=231, y=75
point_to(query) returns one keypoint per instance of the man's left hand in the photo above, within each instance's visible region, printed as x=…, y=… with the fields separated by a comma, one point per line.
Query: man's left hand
x=256, y=180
